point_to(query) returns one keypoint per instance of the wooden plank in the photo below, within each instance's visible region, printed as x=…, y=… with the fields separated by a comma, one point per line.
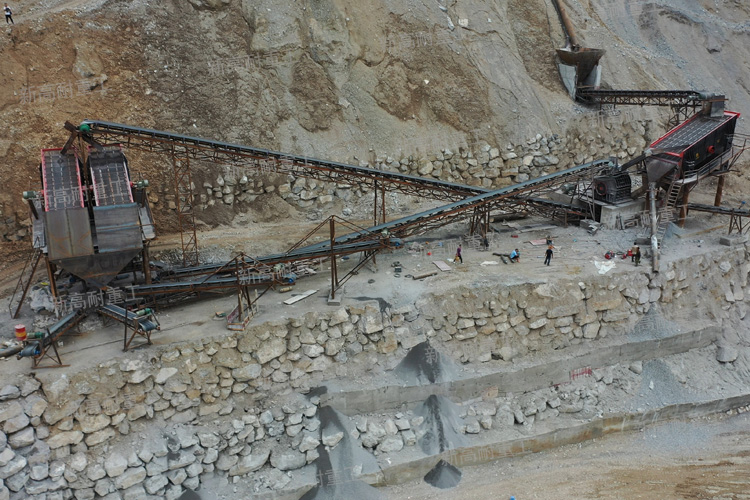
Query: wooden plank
x=441, y=265
x=540, y=227
x=299, y=297
x=424, y=275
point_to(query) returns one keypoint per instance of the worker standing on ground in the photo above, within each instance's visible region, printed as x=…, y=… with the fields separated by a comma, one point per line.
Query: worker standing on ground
x=548, y=256
x=8, y=15
x=515, y=256
x=458, y=256
x=637, y=255
x=632, y=252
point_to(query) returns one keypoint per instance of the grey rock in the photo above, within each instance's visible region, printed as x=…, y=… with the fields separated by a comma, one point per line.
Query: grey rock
x=65, y=438
x=390, y=427
x=157, y=466
x=115, y=465
x=250, y=371
x=136, y=492
x=208, y=439
x=184, y=459
x=402, y=424
x=14, y=466
x=332, y=439
x=410, y=439
x=164, y=375
x=10, y=410
x=375, y=429
x=39, y=471
x=130, y=477
x=104, y=487
x=155, y=483
x=472, y=426
x=16, y=424
x=9, y=392
x=308, y=443
x=78, y=462
x=391, y=444
x=177, y=476
x=266, y=417
x=226, y=462
x=726, y=354
x=95, y=472
x=287, y=459
x=18, y=481
x=22, y=438
x=6, y=456
x=251, y=463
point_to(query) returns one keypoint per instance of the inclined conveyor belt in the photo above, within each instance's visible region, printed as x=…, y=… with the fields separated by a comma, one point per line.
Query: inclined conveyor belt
x=364, y=240
x=123, y=315
x=300, y=162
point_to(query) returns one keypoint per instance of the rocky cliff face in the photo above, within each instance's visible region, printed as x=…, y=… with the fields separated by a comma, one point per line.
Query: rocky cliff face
x=341, y=79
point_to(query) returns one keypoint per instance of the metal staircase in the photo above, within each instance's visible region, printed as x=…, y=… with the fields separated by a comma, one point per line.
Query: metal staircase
x=667, y=212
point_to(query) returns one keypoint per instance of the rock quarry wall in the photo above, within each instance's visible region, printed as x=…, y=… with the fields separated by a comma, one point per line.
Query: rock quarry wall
x=158, y=420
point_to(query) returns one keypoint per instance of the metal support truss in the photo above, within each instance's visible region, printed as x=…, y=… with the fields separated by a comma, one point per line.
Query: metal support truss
x=256, y=160
x=183, y=187
x=683, y=103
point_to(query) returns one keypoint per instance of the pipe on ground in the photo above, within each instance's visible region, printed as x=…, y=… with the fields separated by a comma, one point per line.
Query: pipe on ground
x=567, y=25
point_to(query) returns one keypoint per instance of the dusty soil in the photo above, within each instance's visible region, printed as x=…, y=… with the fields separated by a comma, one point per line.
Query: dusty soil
x=705, y=459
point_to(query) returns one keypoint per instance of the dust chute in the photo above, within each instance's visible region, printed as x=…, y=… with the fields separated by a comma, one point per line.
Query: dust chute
x=578, y=66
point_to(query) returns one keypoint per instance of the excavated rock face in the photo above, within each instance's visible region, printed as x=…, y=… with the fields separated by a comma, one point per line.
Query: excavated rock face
x=345, y=79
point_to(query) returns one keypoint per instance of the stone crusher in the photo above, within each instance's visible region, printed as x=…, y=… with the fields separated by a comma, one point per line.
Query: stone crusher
x=578, y=66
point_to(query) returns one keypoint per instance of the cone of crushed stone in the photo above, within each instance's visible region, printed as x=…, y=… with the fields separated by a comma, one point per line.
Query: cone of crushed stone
x=443, y=476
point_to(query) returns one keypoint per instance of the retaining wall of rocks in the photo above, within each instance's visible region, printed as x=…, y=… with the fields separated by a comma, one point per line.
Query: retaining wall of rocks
x=481, y=164
x=158, y=420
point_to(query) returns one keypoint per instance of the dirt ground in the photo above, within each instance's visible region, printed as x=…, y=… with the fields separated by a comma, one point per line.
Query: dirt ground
x=703, y=459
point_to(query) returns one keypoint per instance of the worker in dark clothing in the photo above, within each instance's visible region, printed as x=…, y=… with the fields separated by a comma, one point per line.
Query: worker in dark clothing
x=548, y=256
x=458, y=255
x=637, y=255
x=8, y=15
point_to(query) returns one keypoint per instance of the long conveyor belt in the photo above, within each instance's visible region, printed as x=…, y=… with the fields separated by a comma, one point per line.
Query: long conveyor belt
x=721, y=210
x=390, y=233
x=248, y=157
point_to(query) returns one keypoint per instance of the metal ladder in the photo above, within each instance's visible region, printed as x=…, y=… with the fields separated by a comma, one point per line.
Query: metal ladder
x=24, y=281
x=666, y=214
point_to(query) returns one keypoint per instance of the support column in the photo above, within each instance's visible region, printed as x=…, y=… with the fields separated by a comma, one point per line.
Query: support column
x=719, y=191
x=51, y=275
x=334, y=274
x=375, y=205
x=183, y=187
x=146, y=264
x=684, y=206
x=654, y=240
